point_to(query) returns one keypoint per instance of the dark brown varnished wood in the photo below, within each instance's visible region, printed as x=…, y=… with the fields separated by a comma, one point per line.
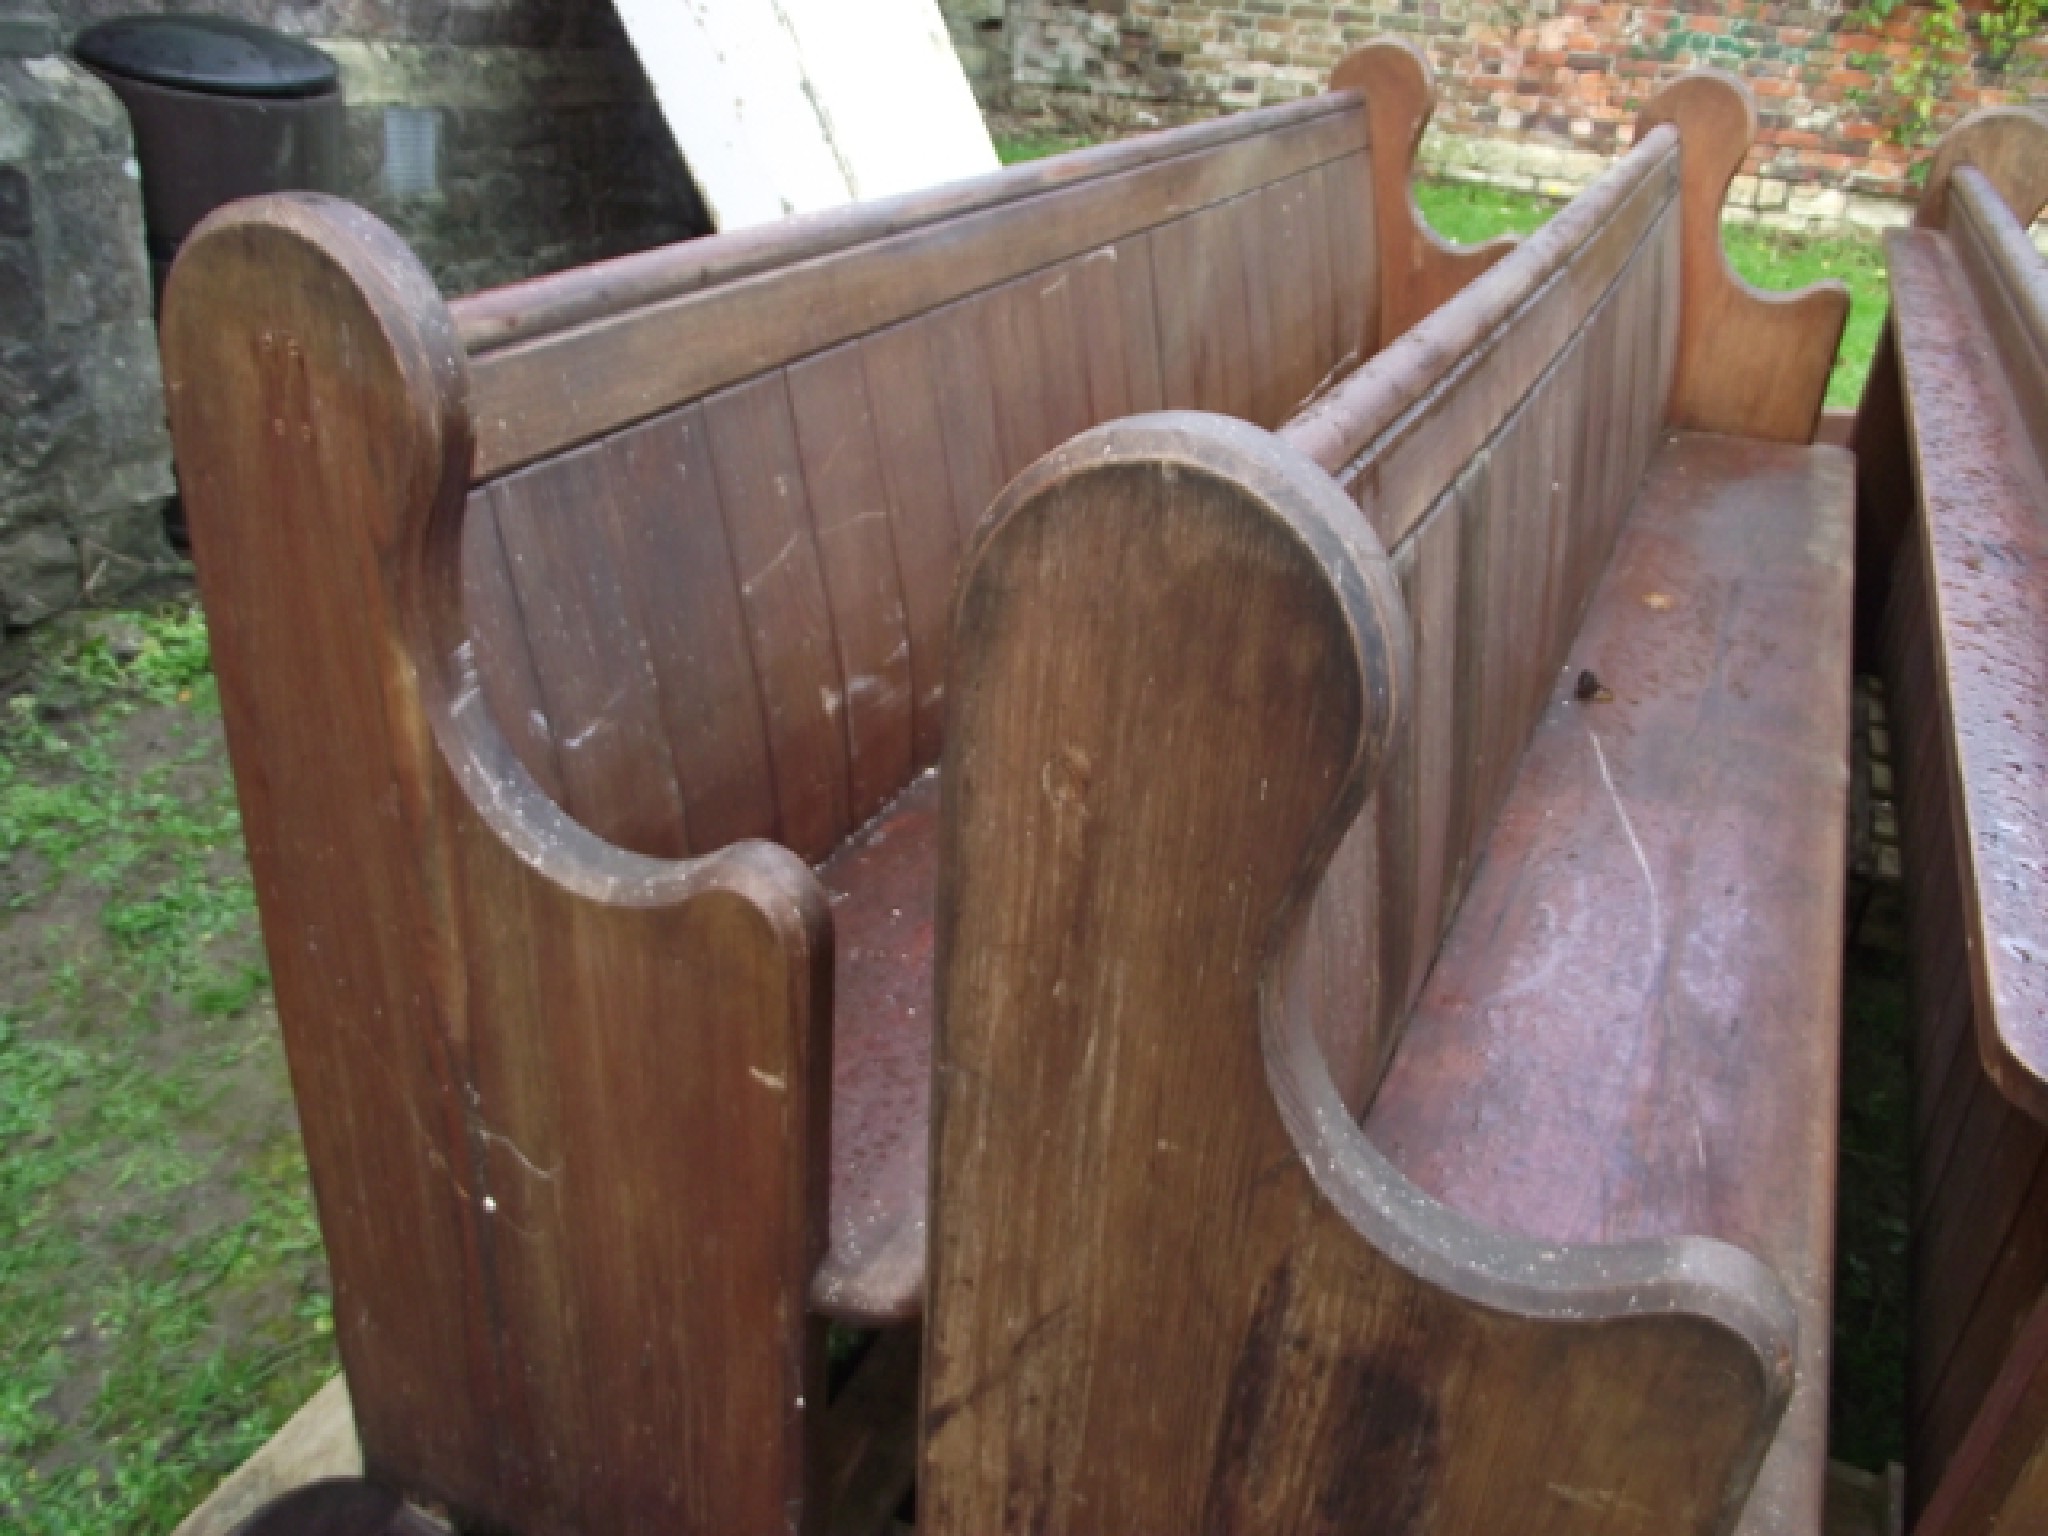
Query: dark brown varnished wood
x=1136, y=1137
x=647, y=570
x=1167, y=986
x=1420, y=269
x=881, y=887
x=1952, y=435
x=1641, y=985
x=1750, y=363
x=551, y=1092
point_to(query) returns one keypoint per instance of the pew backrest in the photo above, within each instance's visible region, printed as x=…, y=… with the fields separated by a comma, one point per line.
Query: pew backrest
x=1233, y=715
x=534, y=612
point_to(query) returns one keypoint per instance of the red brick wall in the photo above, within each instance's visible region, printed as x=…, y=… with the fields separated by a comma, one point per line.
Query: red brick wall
x=1564, y=73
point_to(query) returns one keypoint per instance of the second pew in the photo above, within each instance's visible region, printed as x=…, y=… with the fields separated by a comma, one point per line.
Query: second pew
x=1468, y=758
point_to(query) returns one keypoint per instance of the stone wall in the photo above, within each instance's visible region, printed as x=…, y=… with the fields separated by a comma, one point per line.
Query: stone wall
x=535, y=145
x=84, y=457
x=1537, y=93
x=550, y=151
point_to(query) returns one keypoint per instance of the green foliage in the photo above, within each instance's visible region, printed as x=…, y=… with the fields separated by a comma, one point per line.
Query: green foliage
x=1036, y=144
x=1948, y=39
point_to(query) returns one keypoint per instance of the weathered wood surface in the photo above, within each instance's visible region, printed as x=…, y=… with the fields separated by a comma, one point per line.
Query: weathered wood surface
x=1750, y=363
x=1951, y=438
x=1972, y=334
x=1643, y=984
x=610, y=574
x=882, y=889
x=564, y=1105
x=2004, y=145
x=1418, y=269
x=1536, y=402
x=562, y=360
x=1136, y=964
x=1180, y=661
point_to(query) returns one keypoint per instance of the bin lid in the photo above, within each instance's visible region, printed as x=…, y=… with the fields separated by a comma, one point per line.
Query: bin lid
x=213, y=54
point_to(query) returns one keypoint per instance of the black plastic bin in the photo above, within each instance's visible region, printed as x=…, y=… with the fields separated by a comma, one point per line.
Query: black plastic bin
x=222, y=109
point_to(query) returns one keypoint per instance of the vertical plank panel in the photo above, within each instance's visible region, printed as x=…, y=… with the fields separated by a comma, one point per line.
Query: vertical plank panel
x=1468, y=745
x=760, y=482
x=1065, y=386
x=589, y=657
x=1016, y=346
x=1394, y=802
x=1100, y=315
x=1290, y=285
x=1199, y=283
x=1347, y=273
x=1432, y=593
x=677, y=572
x=1266, y=401
x=504, y=658
x=1141, y=322
x=900, y=377
x=1345, y=992
x=967, y=412
x=849, y=505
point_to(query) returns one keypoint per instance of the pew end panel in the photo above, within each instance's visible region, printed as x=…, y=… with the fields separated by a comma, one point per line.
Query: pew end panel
x=1750, y=363
x=1180, y=662
x=499, y=1024
x=1418, y=269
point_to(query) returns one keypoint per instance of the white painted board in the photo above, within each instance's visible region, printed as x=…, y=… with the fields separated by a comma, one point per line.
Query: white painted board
x=784, y=106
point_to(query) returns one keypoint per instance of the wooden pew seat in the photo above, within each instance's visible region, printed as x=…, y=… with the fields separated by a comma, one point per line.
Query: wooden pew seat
x=1608, y=1047
x=882, y=888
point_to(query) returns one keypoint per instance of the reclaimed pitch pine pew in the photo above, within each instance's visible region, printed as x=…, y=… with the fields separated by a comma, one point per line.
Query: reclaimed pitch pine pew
x=1952, y=441
x=1392, y=898
x=581, y=648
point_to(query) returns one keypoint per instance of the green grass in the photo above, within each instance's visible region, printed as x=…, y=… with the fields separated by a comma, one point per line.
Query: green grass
x=1036, y=144
x=163, y=1302
x=1768, y=258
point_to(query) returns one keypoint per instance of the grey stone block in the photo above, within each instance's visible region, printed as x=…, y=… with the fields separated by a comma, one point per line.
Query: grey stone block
x=39, y=576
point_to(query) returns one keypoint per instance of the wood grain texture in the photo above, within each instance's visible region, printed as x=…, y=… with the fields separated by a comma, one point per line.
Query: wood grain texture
x=1981, y=490
x=881, y=884
x=561, y=301
x=1399, y=428
x=1542, y=433
x=2008, y=146
x=1418, y=269
x=1979, y=1229
x=1136, y=1137
x=556, y=389
x=1642, y=985
x=1750, y=363
x=1954, y=439
x=551, y=1092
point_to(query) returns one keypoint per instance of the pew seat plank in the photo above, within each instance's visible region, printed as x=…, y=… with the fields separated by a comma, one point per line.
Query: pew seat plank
x=1632, y=1029
x=882, y=888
